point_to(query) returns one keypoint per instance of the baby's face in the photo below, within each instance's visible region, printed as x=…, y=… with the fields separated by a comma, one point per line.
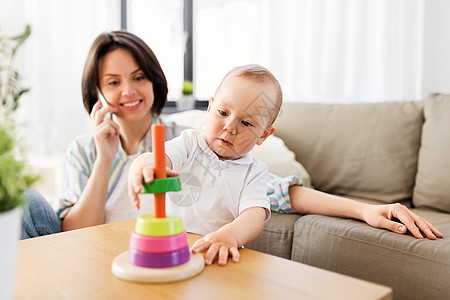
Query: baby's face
x=239, y=117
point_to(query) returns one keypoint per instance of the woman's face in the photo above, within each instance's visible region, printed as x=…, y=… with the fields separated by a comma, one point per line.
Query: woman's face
x=125, y=86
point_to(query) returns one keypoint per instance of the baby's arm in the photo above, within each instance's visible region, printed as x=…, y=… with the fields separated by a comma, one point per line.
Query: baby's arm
x=308, y=201
x=226, y=241
x=143, y=167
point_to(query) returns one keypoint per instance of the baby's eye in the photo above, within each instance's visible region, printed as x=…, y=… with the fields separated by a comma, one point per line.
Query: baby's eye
x=246, y=123
x=222, y=113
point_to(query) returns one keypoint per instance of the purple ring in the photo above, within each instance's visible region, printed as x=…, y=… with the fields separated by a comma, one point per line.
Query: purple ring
x=159, y=260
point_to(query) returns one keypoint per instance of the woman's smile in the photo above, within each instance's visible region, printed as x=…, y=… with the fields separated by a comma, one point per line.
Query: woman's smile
x=131, y=105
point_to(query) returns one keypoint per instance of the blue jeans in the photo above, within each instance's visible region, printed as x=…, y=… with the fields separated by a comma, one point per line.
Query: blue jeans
x=38, y=216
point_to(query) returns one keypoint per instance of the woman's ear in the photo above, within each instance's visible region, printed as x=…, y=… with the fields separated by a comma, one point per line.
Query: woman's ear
x=268, y=132
x=210, y=101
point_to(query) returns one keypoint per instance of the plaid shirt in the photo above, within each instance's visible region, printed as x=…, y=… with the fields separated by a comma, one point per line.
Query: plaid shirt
x=278, y=192
x=81, y=155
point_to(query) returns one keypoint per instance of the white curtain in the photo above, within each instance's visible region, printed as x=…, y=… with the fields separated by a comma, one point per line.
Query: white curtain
x=51, y=63
x=160, y=24
x=320, y=50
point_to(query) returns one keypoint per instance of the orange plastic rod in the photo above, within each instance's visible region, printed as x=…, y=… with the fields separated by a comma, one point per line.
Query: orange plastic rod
x=158, y=139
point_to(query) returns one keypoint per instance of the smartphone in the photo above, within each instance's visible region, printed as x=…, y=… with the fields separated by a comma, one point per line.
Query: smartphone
x=104, y=102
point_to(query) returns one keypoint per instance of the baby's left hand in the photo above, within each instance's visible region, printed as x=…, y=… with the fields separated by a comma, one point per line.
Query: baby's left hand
x=381, y=216
x=218, y=243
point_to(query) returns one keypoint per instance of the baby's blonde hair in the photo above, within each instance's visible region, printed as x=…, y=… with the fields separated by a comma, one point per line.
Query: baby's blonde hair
x=258, y=74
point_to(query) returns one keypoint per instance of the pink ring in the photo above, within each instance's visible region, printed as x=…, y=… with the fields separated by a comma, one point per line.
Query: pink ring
x=158, y=244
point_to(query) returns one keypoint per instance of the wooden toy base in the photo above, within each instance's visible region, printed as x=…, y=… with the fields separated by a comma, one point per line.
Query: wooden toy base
x=122, y=269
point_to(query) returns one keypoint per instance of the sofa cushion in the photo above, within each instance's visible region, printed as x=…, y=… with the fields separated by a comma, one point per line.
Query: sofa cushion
x=280, y=160
x=273, y=152
x=276, y=237
x=361, y=150
x=414, y=268
x=432, y=189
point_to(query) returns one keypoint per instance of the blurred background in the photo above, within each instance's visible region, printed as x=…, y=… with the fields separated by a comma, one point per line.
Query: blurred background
x=333, y=51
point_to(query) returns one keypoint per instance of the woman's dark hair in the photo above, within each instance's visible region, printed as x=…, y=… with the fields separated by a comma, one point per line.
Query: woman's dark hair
x=144, y=56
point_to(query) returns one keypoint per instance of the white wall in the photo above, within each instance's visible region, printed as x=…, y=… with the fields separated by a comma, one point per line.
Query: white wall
x=51, y=62
x=436, y=47
x=12, y=16
x=65, y=55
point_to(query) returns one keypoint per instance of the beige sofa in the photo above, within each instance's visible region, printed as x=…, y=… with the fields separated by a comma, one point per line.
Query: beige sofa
x=379, y=153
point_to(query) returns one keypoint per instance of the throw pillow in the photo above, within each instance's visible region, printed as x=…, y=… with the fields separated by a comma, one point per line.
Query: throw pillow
x=432, y=189
x=357, y=150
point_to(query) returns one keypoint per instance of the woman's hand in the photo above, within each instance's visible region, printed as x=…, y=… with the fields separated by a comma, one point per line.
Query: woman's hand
x=106, y=132
x=381, y=216
x=218, y=243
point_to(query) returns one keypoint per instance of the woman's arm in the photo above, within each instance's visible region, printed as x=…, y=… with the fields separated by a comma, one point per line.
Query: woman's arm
x=89, y=210
x=308, y=201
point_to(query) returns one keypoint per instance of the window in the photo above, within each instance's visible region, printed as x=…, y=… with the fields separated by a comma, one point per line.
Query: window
x=320, y=50
x=160, y=24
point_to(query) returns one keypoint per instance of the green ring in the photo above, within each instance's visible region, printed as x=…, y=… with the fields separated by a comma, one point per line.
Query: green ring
x=150, y=226
x=161, y=185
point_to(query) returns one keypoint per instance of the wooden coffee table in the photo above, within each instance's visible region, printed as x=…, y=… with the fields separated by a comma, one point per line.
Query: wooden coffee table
x=77, y=265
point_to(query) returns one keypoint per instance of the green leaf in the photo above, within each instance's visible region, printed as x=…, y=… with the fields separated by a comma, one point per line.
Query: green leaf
x=20, y=39
x=14, y=178
x=6, y=141
x=10, y=80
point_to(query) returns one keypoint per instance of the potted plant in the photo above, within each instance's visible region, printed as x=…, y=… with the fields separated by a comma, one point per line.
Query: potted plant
x=13, y=174
x=187, y=100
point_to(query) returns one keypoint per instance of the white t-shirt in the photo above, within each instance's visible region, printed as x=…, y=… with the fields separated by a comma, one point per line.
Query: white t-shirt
x=214, y=192
x=118, y=206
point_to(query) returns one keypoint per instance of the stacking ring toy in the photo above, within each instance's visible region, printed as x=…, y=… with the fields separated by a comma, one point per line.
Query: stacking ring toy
x=156, y=244
x=151, y=226
x=159, y=250
x=159, y=260
x=162, y=185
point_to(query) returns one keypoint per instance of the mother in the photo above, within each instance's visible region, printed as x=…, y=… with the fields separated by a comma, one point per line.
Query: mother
x=130, y=77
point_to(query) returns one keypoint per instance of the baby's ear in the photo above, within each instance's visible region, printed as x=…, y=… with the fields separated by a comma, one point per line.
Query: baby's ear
x=268, y=132
x=210, y=101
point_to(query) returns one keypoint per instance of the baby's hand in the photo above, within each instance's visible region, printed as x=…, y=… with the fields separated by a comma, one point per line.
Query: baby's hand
x=381, y=216
x=219, y=243
x=141, y=167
